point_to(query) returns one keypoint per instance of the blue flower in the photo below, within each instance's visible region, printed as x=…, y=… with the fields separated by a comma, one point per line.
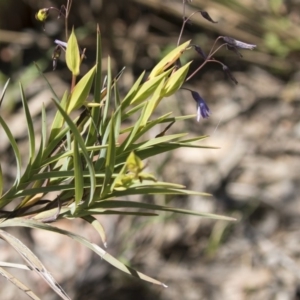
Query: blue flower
x=202, y=108
x=231, y=42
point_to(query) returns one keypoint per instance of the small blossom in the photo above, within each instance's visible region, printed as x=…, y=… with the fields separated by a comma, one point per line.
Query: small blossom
x=230, y=48
x=229, y=74
x=42, y=14
x=237, y=44
x=202, y=108
x=60, y=43
x=55, y=56
x=187, y=20
x=200, y=51
x=206, y=16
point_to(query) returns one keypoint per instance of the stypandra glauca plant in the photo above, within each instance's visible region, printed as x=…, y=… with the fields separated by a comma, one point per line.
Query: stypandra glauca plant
x=83, y=160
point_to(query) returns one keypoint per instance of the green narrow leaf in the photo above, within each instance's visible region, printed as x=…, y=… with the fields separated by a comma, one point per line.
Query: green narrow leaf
x=48, y=83
x=99, y=228
x=97, y=87
x=160, y=140
x=58, y=121
x=138, y=205
x=110, y=158
x=175, y=81
x=152, y=103
x=148, y=88
x=19, y=284
x=129, y=140
x=102, y=253
x=15, y=149
x=161, y=148
x=96, y=111
x=55, y=143
x=108, y=96
x=29, y=123
x=133, y=110
x=73, y=55
x=98, y=211
x=78, y=173
x=168, y=60
x=34, y=262
x=44, y=128
x=81, y=91
x=132, y=92
x=150, y=124
x=1, y=181
x=80, y=141
x=118, y=112
x=4, y=91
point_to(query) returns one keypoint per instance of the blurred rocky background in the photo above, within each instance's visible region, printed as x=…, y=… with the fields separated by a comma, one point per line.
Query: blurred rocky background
x=252, y=175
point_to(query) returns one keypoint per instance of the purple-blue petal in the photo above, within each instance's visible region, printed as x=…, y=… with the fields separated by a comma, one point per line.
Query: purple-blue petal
x=202, y=108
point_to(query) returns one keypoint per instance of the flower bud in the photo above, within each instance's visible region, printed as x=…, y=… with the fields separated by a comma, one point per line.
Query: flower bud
x=55, y=56
x=42, y=14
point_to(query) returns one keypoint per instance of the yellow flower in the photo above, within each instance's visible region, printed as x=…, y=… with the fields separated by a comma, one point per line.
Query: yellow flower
x=42, y=14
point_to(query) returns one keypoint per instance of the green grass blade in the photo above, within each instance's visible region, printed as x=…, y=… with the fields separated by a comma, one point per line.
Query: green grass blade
x=34, y=262
x=1, y=181
x=134, y=109
x=168, y=60
x=160, y=140
x=132, y=92
x=97, y=225
x=96, y=111
x=73, y=55
x=81, y=91
x=48, y=83
x=149, y=125
x=118, y=113
x=108, y=97
x=18, y=284
x=15, y=149
x=97, y=86
x=58, y=119
x=78, y=173
x=4, y=91
x=98, y=250
x=80, y=141
x=31, y=135
x=140, y=205
x=39, y=156
x=152, y=103
x=101, y=211
x=133, y=134
x=147, y=88
x=110, y=158
x=175, y=81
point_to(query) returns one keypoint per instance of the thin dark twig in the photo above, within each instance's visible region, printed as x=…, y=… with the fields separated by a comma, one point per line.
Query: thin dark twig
x=208, y=59
x=183, y=23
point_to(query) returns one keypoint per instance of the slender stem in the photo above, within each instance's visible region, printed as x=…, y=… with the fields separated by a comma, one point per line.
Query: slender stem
x=68, y=8
x=56, y=9
x=218, y=38
x=183, y=23
x=214, y=52
x=208, y=59
x=73, y=83
x=185, y=20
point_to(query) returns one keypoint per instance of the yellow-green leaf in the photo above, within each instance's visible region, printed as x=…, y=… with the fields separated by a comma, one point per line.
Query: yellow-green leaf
x=134, y=164
x=148, y=88
x=73, y=55
x=58, y=121
x=169, y=60
x=78, y=173
x=175, y=81
x=81, y=91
